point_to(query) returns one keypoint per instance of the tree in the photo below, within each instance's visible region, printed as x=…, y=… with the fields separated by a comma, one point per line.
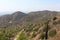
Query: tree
x=44, y=35
x=47, y=28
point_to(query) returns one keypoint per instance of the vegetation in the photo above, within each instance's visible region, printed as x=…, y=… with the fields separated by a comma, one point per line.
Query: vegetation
x=33, y=35
x=42, y=36
x=23, y=36
x=54, y=18
x=34, y=22
x=52, y=33
x=3, y=37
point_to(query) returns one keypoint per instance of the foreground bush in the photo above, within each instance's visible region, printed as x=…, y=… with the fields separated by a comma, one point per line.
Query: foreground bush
x=23, y=36
x=52, y=33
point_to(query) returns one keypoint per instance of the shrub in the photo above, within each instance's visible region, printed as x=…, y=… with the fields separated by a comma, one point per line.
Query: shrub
x=3, y=37
x=52, y=33
x=34, y=34
x=54, y=18
x=23, y=36
x=36, y=29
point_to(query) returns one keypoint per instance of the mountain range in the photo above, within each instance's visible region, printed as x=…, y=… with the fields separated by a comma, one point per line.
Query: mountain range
x=31, y=22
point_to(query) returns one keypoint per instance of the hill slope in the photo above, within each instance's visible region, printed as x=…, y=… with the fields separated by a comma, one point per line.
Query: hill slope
x=33, y=24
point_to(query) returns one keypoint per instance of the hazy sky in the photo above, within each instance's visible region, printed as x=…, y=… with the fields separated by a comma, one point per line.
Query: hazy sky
x=29, y=5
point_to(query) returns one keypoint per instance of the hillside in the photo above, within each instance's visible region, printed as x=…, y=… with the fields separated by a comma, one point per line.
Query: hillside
x=33, y=24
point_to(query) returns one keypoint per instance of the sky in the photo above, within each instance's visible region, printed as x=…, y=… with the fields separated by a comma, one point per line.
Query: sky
x=29, y=5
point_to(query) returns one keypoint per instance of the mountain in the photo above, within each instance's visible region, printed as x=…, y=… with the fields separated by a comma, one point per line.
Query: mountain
x=5, y=19
x=17, y=15
x=39, y=15
x=33, y=24
x=22, y=17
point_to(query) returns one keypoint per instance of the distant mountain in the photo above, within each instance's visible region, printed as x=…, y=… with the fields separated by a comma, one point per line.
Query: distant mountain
x=5, y=19
x=39, y=15
x=18, y=17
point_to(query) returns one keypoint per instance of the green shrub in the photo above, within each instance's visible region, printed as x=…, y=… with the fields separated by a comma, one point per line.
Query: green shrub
x=3, y=37
x=23, y=36
x=36, y=29
x=34, y=34
x=52, y=33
